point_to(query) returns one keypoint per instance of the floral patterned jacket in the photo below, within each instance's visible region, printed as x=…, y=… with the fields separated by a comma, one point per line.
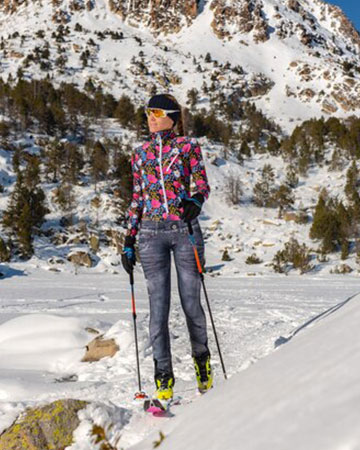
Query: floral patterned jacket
x=163, y=168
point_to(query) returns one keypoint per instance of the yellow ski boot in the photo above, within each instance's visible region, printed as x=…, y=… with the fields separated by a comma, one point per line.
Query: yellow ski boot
x=204, y=375
x=164, y=383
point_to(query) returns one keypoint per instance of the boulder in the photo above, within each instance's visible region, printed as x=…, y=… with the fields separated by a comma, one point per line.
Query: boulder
x=100, y=348
x=47, y=427
x=80, y=258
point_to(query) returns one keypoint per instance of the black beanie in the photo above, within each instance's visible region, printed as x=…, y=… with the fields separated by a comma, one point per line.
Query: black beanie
x=162, y=101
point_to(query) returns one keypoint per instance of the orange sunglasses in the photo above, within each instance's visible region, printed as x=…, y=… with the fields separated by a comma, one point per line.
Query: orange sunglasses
x=159, y=113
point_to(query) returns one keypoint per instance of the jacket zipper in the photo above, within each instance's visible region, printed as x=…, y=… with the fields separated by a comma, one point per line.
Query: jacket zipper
x=162, y=176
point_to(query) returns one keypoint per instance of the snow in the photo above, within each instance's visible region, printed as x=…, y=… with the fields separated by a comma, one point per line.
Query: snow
x=44, y=316
x=251, y=314
x=40, y=342
x=305, y=395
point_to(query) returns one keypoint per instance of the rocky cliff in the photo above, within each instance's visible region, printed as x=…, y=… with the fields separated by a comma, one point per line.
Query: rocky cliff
x=167, y=16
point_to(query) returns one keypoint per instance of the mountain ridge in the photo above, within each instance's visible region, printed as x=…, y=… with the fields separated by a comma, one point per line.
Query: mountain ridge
x=306, y=51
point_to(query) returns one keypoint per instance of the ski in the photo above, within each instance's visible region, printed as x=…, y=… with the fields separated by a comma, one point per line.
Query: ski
x=159, y=407
x=156, y=406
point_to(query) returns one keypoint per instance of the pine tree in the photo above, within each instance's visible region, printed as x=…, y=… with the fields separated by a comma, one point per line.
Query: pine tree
x=4, y=251
x=264, y=189
x=140, y=123
x=54, y=158
x=273, y=145
x=292, y=179
x=66, y=199
x=245, y=150
x=74, y=162
x=283, y=198
x=193, y=97
x=26, y=209
x=24, y=232
x=326, y=225
x=125, y=112
x=352, y=180
x=99, y=163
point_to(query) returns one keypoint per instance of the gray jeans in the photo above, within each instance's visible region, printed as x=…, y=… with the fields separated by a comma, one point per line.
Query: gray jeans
x=156, y=242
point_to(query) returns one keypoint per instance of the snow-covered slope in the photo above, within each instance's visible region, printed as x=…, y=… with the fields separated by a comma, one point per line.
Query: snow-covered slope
x=304, y=396
x=316, y=367
x=287, y=57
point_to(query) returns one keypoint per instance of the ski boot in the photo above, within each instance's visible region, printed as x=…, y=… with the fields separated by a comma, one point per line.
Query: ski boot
x=164, y=386
x=204, y=375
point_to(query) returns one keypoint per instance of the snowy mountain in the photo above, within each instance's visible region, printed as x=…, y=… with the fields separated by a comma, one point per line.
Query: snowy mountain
x=294, y=59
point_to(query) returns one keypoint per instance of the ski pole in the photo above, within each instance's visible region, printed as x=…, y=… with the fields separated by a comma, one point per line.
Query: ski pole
x=140, y=394
x=198, y=263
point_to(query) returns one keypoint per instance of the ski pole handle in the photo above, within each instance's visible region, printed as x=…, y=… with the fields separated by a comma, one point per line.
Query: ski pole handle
x=193, y=243
x=190, y=228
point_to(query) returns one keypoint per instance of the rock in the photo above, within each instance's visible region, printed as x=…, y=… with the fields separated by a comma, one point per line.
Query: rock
x=306, y=94
x=95, y=202
x=92, y=330
x=49, y=427
x=226, y=256
x=294, y=5
x=268, y=244
x=215, y=225
x=240, y=16
x=305, y=73
x=94, y=243
x=327, y=75
x=216, y=161
x=289, y=216
x=77, y=48
x=14, y=54
x=346, y=27
x=80, y=258
x=341, y=269
x=100, y=348
x=289, y=91
x=328, y=107
x=167, y=16
x=55, y=260
x=269, y=222
x=116, y=239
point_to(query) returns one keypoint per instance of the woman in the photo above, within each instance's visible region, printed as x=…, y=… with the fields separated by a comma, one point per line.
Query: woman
x=160, y=210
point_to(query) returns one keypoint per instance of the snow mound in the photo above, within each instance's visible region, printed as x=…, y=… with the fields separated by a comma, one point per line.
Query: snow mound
x=41, y=342
x=305, y=395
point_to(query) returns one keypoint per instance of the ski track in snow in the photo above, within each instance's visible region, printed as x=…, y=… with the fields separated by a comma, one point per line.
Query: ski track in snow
x=249, y=313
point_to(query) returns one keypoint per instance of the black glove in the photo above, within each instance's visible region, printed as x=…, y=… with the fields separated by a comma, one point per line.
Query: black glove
x=192, y=207
x=128, y=257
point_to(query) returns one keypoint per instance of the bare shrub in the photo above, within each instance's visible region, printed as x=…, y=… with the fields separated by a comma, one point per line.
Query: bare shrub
x=233, y=189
